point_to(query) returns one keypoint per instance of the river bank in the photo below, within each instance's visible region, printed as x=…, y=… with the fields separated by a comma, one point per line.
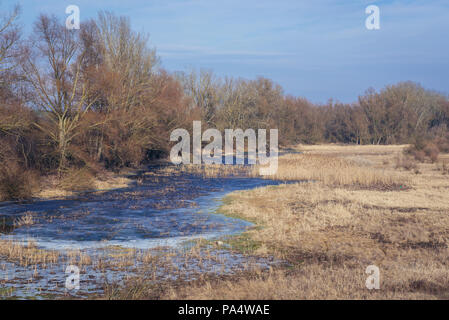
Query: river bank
x=330, y=230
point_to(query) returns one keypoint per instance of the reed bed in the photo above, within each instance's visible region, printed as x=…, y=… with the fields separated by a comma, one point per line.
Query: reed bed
x=334, y=171
x=27, y=254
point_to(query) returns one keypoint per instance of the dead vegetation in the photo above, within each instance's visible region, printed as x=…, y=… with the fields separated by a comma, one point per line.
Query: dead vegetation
x=24, y=220
x=77, y=180
x=27, y=254
x=330, y=232
x=53, y=187
x=335, y=171
x=16, y=183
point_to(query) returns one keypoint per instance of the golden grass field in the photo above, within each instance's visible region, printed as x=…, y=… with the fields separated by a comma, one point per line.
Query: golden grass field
x=361, y=209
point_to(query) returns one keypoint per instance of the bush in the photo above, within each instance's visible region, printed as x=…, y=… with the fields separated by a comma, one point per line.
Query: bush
x=406, y=163
x=432, y=152
x=16, y=183
x=445, y=168
x=419, y=155
x=443, y=143
x=429, y=149
x=77, y=180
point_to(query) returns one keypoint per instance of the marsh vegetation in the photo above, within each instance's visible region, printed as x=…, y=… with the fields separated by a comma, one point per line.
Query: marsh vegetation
x=329, y=231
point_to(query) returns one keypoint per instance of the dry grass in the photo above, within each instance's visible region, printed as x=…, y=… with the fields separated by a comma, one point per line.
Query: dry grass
x=330, y=232
x=111, y=181
x=77, y=180
x=51, y=186
x=24, y=220
x=352, y=150
x=27, y=254
x=336, y=171
x=314, y=281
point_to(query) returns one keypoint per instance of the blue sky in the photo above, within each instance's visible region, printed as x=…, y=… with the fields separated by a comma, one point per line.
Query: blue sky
x=316, y=49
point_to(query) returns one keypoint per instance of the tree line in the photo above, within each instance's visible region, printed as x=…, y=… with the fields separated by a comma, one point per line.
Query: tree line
x=98, y=98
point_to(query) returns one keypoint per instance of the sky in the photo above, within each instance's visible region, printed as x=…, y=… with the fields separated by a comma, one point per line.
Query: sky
x=316, y=49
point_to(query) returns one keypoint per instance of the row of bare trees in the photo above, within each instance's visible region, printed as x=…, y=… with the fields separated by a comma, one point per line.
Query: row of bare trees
x=396, y=114
x=98, y=98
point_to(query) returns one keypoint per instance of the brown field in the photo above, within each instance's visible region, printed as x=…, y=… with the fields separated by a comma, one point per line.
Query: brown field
x=362, y=208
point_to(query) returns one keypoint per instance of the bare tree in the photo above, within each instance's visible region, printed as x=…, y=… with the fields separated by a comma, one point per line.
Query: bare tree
x=121, y=67
x=52, y=66
x=9, y=36
x=9, y=39
x=238, y=104
x=125, y=52
x=204, y=90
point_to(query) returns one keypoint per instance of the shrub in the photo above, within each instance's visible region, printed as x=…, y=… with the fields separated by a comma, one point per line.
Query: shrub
x=427, y=150
x=77, y=180
x=406, y=163
x=419, y=155
x=444, y=168
x=442, y=142
x=15, y=182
